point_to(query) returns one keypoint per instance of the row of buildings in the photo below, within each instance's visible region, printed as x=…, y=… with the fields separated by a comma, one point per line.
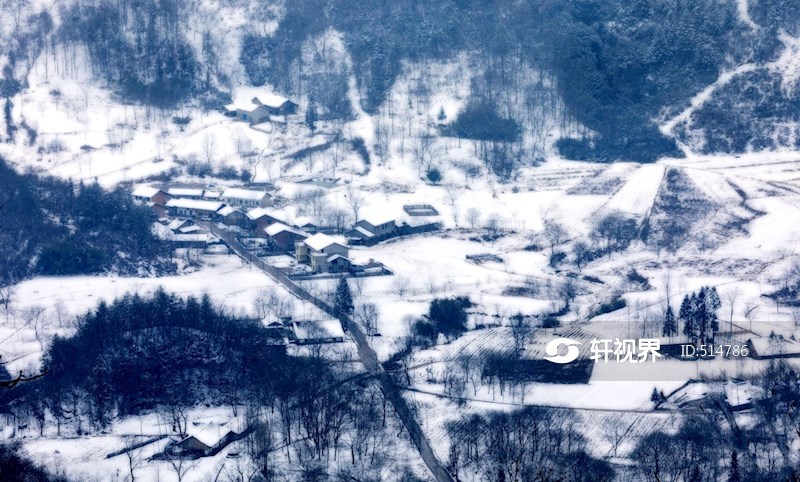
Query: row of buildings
x=250, y=210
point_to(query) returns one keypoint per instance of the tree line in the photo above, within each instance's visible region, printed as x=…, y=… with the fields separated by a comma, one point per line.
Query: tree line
x=165, y=354
x=53, y=227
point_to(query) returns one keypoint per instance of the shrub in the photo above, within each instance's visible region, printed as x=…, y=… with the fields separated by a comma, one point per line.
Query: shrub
x=609, y=307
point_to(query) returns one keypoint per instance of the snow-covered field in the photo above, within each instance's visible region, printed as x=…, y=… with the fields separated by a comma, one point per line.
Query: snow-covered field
x=85, y=134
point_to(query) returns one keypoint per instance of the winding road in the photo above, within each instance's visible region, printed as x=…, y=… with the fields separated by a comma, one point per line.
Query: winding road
x=369, y=359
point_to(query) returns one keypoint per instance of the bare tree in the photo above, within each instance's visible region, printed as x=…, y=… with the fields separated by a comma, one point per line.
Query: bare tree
x=335, y=218
x=580, y=254
x=367, y=315
x=555, y=234
x=493, y=225
x=208, y=145
x=401, y=286
x=615, y=432
x=750, y=311
x=730, y=301
x=7, y=296
x=270, y=303
x=521, y=332
x=32, y=316
x=452, y=193
x=473, y=217
x=355, y=200
x=424, y=153
x=134, y=459
x=181, y=466
x=337, y=151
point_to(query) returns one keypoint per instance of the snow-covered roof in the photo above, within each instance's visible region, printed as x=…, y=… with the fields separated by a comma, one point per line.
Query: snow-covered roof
x=209, y=434
x=310, y=330
x=185, y=238
x=366, y=232
x=212, y=194
x=185, y=191
x=766, y=346
x=227, y=211
x=246, y=106
x=270, y=100
x=320, y=241
x=192, y=228
x=176, y=223
x=230, y=107
x=276, y=228
x=146, y=191
x=301, y=221
x=257, y=213
x=249, y=194
x=378, y=218
x=333, y=258
x=212, y=206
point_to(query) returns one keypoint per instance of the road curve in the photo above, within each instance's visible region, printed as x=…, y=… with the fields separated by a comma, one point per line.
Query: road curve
x=390, y=390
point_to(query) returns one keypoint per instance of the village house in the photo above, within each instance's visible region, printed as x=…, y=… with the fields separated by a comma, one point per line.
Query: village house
x=153, y=198
x=283, y=237
x=230, y=216
x=247, y=112
x=193, y=207
x=246, y=198
x=178, y=225
x=325, y=254
x=149, y=194
x=372, y=229
x=275, y=104
x=204, y=439
x=260, y=218
x=212, y=195
x=260, y=108
x=306, y=224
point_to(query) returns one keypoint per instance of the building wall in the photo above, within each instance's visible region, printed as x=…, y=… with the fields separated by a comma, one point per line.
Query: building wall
x=285, y=240
x=337, y=249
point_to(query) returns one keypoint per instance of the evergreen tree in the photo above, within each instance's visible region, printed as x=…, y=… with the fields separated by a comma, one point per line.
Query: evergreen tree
x=686, y=316
x=734, y=475
x=701, y=315
x=713, y=304
x=343, y=301
x=311, y=116
x=442, y=116
x=670, y=328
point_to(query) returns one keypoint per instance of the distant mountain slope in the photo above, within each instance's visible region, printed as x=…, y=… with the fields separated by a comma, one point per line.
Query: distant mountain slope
x=610, y=72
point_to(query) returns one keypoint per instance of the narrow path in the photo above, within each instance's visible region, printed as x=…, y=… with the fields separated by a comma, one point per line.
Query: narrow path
x=390, y=390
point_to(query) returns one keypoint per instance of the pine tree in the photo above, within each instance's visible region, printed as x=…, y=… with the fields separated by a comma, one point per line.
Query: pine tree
x=686, y=316
x=670, y=328
x=442, y=116
x=311, y=116
x=343, y=300
x=713, y=304
x=734, y=476
x=701, y=314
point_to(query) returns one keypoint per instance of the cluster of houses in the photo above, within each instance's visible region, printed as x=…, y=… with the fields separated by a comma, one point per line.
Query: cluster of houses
x=249, y=208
